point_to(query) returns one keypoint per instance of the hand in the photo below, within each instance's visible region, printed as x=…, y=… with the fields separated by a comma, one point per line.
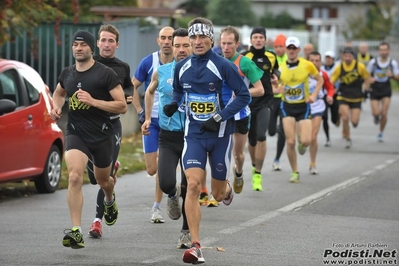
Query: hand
x=55, y=114
x=210, y=125
x=330, y=100
x=141, y=116
x=274, y=79
x=145, y=126
x=310, y=99
x=170, y=109
x=129, y=99
x=84, y=97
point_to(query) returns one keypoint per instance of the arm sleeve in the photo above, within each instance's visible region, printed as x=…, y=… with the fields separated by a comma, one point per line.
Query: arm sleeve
x=312, y=69
x=395, y=67
x=328, y=85
x=127, y=83
x=242, y=96
x=251, y=71
x=363, y=71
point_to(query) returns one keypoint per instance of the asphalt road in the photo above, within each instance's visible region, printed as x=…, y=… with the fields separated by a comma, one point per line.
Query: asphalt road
x=348, y=212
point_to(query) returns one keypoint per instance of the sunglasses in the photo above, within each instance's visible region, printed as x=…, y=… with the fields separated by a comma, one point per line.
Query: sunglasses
x=291, y=48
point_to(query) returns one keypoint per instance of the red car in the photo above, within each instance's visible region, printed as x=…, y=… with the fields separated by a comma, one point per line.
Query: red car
x=31, y=144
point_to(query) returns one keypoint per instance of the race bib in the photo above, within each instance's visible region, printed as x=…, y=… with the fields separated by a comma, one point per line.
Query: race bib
x=202, y=107
x=294, y=93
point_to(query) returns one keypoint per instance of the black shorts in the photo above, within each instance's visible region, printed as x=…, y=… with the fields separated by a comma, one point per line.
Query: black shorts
x=299, y=111
x=381, y=93
x=352, y=105
x=242, y=125
x=101, y=153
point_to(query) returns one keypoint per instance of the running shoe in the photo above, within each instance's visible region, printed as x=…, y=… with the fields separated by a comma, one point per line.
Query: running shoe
x=73, y=239
x=328, y=143
x=194, y=254
x=173, y=205
x=211, y=202
x=379, y=136
x=313, y=170
x=257, y=182
x=276, y=165
x=348, y=143
x=229, y=198
x=294, y=177
x=238, y=182
x=301, y=148
x=184, y=241
x=96, y=229
x=156, y=217
x=110, y=213
x=203, y=198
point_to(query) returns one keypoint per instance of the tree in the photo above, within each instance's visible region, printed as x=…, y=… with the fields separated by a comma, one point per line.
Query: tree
x=282, y=20
x=24, y=15
x=231, y=12
x=374, y=24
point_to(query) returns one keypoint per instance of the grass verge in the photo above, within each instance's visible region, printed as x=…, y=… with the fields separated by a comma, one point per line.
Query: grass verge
x=131, y=157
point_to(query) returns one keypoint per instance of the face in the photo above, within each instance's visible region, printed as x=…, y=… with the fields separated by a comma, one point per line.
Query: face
x=164, y=40
x=228, y=44
x=363, y=49
x=279, y=50
x=81, y=51
x=292, y=52
x=181, y=48
x=328, y=61
x=201, y=44
x=383, y=51
x=315, y=59
x=258, y=41
x=308, y=49
x=107, y=44
x=347, y=57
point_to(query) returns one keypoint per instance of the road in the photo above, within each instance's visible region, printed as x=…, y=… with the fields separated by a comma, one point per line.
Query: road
x=349, y=209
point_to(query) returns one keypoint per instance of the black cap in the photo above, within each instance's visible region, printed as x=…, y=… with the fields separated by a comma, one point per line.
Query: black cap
x=259, y=30
x=84, y=35
x=347, y=50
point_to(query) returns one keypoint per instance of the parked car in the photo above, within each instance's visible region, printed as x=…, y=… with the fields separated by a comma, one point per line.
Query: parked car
x=31, y=144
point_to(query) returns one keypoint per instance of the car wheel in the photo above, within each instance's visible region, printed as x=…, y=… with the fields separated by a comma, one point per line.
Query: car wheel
x=48, y=181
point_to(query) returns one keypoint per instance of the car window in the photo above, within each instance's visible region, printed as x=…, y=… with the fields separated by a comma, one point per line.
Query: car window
x=33, y=93
x=9, y=87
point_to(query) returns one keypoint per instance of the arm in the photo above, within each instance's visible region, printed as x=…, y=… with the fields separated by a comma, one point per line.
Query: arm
x=329, y=87
x=257, y=90
x=58, y=102
x=319, y=84
x=149, y=102
x=336, y=73
x=136, y=96
x=128, y=86
x=117, y=106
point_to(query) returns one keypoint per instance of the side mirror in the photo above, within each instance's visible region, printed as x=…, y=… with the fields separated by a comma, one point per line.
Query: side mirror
x=7, y=106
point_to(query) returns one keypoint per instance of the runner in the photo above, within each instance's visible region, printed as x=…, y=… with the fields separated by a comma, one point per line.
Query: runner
x=318, y=107
x=295, y=105
x=351, y=75
x=251, y=74
x=150, y=142
x=382, y=70
x=209, y=124
x=260, y=106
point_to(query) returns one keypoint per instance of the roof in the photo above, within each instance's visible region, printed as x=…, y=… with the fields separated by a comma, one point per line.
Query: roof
x=116, y=11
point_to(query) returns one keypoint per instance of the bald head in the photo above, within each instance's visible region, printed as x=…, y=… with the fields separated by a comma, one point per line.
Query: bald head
x=164, y=40
x=307, y=49
x=363, y=48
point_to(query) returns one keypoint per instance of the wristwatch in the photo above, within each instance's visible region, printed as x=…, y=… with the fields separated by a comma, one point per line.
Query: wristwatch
x=217, y=118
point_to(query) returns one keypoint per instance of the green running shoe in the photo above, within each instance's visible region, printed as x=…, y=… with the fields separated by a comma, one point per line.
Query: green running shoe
x=257, y=182
x=73, y=239
x=110, y=213
x=294, y=177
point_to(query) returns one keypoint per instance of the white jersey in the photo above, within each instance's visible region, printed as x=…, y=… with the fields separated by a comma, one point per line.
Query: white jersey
x=319, y=105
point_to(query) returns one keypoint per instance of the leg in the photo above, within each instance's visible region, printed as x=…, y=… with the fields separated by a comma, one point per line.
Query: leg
x=262, y=121
x=76, y=162
x=355, y=116
x=280, y=142
x=316, y=121
x=344, y=114
x=375, y=110
x=386, y=101
x=289, y=124
x=326, y=126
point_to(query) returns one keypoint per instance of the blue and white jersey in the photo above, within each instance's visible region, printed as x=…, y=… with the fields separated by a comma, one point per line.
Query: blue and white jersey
x=198, y=81
x=143, y=74
x=165, y=91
